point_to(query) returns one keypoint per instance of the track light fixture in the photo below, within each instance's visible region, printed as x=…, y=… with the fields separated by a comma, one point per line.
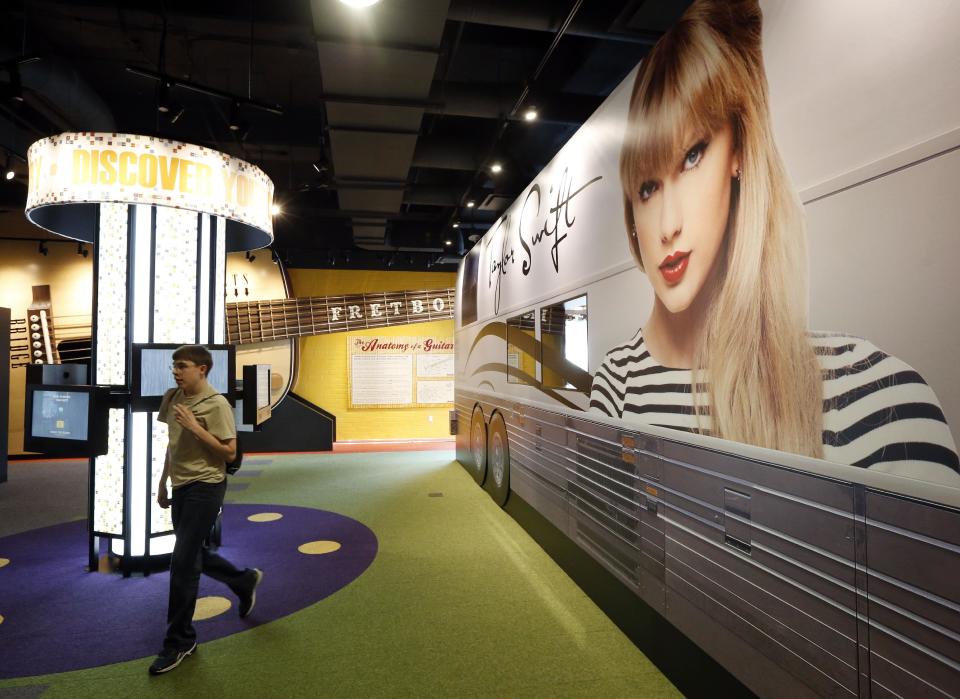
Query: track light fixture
x=163, y=97
x=236, y=124
x=82, y=251
x=13, y=90
x=43, y=248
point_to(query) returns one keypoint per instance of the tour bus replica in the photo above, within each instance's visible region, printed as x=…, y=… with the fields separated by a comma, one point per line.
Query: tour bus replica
x=801, y=576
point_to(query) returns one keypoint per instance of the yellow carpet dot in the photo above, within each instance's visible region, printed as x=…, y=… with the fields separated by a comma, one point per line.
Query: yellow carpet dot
x=319, y=547
x=265, y=517
x=4, y=561
x=209, y=607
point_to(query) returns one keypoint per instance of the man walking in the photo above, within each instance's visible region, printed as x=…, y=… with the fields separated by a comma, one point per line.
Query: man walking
x=202, y=438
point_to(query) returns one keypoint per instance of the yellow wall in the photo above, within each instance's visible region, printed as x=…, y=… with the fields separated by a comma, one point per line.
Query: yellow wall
x=323, y=376
x=70, y=278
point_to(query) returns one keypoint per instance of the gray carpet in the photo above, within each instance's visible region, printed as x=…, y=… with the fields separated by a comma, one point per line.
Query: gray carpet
x=41, y=493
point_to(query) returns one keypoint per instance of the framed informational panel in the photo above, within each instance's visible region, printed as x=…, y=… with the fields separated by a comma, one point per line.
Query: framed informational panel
x=400, y=372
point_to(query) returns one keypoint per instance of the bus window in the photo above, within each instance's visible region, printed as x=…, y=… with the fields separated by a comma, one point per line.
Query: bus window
x=522, y=349
x=467, y=308
x=563, y=333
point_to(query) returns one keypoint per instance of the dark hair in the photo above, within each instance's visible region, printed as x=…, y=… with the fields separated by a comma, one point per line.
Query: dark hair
x=198, y=354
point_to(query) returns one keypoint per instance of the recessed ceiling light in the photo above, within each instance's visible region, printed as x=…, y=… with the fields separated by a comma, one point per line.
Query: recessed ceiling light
x=530, y=114
x=471, y=204
x=448, y=242
x=10, y=174
x=456, y=225
x=495, y=168
x=359, y=3
x=276, y=209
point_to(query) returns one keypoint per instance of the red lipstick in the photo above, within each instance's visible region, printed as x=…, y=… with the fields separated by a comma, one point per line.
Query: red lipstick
x=673, y=266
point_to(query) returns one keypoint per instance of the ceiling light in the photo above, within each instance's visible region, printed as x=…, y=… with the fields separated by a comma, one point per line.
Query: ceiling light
x=163, y=98
x=43, y=248
x=471, y=204
x=495, y=168
x=236, y=124
x=276, y=209
x=9, y=174
x=448, y=242
x=82, y=251
x=456, y=225
x=530, y=114
x=359, y=4
x=174, y=113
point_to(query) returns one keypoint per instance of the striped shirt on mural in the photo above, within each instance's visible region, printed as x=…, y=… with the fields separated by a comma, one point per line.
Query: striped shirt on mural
x=876, y=410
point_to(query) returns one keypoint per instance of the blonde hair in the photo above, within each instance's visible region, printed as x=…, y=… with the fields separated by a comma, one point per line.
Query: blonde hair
x=765, y=386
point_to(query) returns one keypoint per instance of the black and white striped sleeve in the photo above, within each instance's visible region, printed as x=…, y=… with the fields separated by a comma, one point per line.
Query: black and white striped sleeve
x=878, y=412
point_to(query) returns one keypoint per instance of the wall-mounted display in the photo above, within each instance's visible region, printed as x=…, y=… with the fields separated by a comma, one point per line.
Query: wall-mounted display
x=400, y=371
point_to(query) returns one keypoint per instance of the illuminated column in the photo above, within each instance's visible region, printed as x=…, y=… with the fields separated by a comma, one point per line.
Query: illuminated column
x=161, y=216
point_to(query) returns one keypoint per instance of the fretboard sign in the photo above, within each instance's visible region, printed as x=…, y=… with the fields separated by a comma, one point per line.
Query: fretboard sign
x=262, y=321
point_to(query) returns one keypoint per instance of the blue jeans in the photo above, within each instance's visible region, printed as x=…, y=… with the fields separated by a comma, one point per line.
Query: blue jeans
x=195, y=509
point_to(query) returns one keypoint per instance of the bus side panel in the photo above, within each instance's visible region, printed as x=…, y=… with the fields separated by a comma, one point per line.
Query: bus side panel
x=769, y=554
x=913, y=557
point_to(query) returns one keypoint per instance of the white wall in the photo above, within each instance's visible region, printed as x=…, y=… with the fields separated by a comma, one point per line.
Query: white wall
x=865, y=98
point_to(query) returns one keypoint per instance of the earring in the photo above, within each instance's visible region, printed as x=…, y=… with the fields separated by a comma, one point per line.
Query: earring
x=738, y=174
x=633, y=232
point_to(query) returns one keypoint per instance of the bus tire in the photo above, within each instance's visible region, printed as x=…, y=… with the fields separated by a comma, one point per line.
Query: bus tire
x=498, y=460
x=478, y=446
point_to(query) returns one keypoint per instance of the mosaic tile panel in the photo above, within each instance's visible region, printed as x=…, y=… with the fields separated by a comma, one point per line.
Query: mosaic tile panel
x=160, y=520
x=108, y=479
x=175, y=276
x=111, y=251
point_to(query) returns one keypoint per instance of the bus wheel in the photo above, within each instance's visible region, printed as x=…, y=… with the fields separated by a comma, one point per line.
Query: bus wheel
x=478, y=446
x=498, y=460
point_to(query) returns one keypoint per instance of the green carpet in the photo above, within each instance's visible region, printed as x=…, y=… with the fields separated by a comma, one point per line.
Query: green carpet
x=459, y=602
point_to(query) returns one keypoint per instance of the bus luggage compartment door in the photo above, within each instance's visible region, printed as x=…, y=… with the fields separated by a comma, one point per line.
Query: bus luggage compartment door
x=768, y=554
x=605, y=512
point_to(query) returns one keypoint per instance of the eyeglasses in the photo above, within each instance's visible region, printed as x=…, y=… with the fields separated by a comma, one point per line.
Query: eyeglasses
x=180, y=366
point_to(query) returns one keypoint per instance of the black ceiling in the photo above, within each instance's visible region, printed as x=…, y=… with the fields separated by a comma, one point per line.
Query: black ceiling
x=390, y=117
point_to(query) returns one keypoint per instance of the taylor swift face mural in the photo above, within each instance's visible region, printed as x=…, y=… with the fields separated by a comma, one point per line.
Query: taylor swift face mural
x=712, y=220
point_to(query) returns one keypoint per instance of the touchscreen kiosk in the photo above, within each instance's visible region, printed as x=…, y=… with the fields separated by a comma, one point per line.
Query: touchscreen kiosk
x=256, y=394
x=66, y=420
x=152, y=375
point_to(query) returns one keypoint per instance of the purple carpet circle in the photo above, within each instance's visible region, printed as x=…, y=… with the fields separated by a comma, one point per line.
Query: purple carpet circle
x=58, y=617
